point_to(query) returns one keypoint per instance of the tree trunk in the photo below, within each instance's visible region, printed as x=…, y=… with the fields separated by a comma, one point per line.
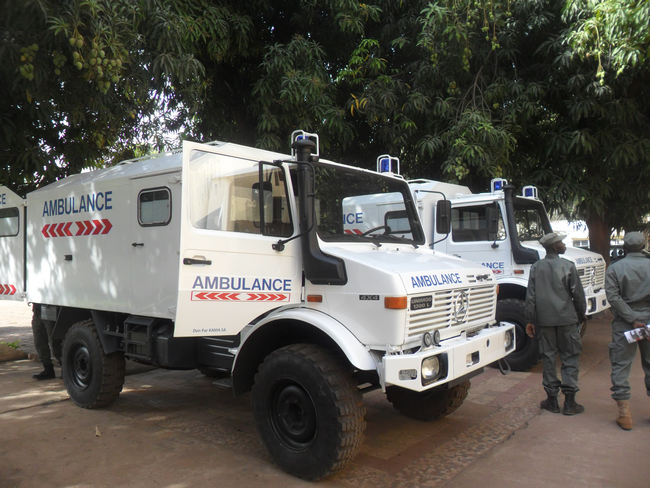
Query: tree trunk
x=599, y=236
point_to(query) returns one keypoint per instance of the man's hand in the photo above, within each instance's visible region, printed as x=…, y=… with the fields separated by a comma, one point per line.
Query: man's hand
x=530, y=330
x=639, y=325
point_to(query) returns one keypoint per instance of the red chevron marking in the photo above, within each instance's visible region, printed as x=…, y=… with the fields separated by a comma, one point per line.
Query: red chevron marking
x=107, y=226
x=98, y=226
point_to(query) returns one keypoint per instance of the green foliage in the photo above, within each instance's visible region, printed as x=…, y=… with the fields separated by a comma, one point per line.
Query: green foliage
x=546, y=93
x=615, y=32
x=13, y=345
x=80, y=82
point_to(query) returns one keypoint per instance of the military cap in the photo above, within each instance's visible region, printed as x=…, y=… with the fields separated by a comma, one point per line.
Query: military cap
x=550, y=239
x=634, y=241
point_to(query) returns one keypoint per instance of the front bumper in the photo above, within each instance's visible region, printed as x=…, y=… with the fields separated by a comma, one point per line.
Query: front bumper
x=459, y=357
x=597, y=302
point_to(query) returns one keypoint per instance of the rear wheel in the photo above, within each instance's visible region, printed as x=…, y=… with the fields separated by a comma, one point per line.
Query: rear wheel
x=93, y=379
x=308, y=411
x=526, y=353
x=428, y=405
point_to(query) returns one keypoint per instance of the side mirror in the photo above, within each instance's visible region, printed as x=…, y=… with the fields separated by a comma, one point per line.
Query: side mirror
x=443, y=217
x=492, y=223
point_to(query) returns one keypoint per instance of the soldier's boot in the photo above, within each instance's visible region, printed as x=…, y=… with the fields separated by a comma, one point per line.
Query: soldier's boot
x=550, y=404
x=570, y=405
x=46, y=374
x=624, y=419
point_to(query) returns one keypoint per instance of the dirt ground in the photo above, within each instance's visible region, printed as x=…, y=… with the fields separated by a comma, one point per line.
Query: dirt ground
x=177, y=429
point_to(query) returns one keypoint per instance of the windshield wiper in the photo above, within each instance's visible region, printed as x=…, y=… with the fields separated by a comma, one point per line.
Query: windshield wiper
x=392, y=238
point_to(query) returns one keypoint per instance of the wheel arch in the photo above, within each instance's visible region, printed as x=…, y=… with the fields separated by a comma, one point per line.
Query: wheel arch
x=68, y=316
x=512, y=289
x=292, y=327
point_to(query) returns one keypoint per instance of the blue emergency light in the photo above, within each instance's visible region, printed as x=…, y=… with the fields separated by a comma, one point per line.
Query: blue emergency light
x=497, y=184
x=529, y=191
x=301, y=135
x=387, y=164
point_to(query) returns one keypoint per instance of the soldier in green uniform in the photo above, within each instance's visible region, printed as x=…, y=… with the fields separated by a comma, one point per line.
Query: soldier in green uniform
x=555, y=305
x=627, y=284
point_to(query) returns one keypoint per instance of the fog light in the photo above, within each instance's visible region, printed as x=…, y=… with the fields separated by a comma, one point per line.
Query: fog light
x=408, y=374
x=436, y=337
x=430, y=368
x=509, y=340
x=427, y=340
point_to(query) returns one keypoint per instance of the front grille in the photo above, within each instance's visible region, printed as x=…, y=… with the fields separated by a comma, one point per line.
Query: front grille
x=593, y=276
x=481, y=306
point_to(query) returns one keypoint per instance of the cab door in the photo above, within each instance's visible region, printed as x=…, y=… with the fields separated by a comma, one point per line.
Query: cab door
x=469, y=238
x=12, y=245
x=234, y=209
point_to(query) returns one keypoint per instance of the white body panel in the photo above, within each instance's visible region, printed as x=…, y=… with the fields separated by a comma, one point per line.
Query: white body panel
x=12, y=238
x=393, y=271
x=81, y=232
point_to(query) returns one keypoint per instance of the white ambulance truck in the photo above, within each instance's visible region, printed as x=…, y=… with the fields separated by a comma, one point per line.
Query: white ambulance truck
x=234, y=261
x=508, y=250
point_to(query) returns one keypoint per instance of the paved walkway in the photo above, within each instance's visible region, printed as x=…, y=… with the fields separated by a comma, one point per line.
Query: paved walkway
x=174, y=428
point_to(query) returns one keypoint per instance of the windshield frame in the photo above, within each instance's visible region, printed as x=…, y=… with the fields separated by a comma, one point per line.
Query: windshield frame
x=397, y=186
x=521, y=203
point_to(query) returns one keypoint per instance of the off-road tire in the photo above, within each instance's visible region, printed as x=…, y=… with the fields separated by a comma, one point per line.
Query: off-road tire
x=93, y=379
x=308, y=410
x=526, y=353
x=428, y=405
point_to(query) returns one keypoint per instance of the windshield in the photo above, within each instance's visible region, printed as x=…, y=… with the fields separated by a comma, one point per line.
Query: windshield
x=354, y=205
x=531, y=219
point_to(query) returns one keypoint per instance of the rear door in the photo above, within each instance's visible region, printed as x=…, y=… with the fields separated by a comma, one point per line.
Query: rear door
x=234, y=209
x=154, y=246
x=12, y=245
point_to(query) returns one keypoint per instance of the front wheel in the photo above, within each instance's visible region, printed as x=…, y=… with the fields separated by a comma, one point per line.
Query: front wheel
x=526, y=353
x=93, y=379
x=428, y=405
x=308, y=411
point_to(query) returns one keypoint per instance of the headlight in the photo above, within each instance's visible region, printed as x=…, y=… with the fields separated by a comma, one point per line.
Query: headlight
x=430, y=368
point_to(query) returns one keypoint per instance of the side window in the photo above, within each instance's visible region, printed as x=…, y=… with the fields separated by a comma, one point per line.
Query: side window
x=154, y=207
x=9, y=222
x=238, y=195
x=469, y=224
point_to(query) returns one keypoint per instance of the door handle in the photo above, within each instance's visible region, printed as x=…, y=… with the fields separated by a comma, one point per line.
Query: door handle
x=191, y=261
x=137, y=244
